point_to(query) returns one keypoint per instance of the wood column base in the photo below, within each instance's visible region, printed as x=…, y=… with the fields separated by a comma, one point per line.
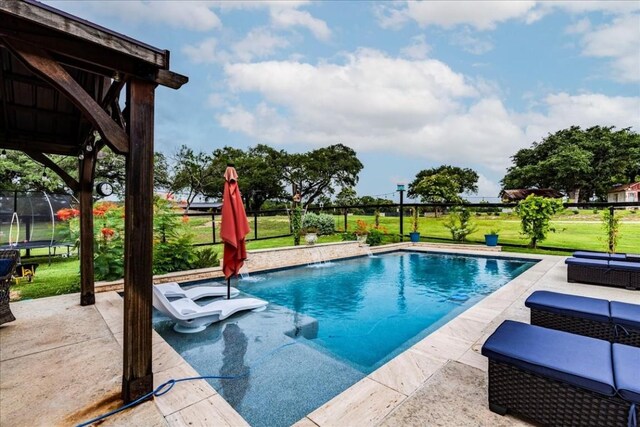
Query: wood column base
x=87, y=299
x=136, y=388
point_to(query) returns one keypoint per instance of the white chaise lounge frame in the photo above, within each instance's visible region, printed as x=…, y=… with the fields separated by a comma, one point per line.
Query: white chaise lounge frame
x=190, y=317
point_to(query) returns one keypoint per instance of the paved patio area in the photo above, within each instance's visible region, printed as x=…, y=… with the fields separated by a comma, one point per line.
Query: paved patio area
x=61, y=364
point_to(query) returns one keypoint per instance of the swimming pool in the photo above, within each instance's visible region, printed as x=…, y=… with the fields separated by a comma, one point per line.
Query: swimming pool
x=344, y=320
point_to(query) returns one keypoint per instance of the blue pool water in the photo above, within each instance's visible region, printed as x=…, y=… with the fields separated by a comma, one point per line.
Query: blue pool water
x=344, y=320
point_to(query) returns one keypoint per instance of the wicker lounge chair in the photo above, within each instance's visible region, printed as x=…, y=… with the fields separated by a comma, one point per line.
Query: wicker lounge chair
x=621, y=274
x=9, y=258
x=597, y=318
x=607, y=256
x=562, y=379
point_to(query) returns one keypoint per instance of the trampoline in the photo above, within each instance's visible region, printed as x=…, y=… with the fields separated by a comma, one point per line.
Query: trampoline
x=28, y=221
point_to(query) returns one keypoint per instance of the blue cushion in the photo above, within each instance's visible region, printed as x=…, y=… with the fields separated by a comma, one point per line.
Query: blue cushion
x=626, y=368
x=588, y=262
x=581, y=361
x=5, y=266
x=625, y=265
x=599, y=255
x=626, y=314
x=570, y=305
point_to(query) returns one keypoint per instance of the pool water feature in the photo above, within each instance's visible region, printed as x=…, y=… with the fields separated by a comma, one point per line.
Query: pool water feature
x=346, y=321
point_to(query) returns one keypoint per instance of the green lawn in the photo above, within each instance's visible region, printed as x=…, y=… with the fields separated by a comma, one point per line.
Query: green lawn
x=581, y=231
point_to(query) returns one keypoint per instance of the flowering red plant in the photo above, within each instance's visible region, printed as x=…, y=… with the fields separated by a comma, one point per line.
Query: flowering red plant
x=67, y=214
x=107, y=232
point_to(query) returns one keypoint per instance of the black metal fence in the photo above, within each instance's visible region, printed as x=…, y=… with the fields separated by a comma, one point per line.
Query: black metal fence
x=276, y=223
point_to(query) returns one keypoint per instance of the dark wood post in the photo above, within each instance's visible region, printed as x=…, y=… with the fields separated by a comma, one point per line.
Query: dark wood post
x=255, y=225
x=85, y=195
x=137, y=379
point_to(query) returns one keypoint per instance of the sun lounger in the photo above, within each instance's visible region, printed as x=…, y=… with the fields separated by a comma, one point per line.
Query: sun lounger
x=191, y=317
x=597, y=318
x=174, y=290
x=621, y=274
x=558, y=378
x=607, y=256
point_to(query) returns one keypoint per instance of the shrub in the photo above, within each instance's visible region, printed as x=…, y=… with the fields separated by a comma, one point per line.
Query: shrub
x=296, y=224
x=324, y=223
x=205, y=258
x=611, y=226
x=535, y=213
x=576, y=212
x=414, y=219
x=348, y=236
x=459, y=224
x=374, y=238
x=173, y=241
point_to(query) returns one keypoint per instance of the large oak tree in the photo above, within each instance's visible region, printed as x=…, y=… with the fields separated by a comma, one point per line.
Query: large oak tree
x=581, y=163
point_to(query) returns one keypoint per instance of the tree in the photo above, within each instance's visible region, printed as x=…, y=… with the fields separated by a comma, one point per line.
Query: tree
x=259, y=174
x=459, y=224
x=192, y=173
x=20, y=172
x=535, y=213
x=579, y=162
x=320, y=171
x=443, y=184
x=347, y=196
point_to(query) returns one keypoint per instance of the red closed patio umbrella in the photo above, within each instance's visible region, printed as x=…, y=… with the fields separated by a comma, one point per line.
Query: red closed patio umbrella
x=234, y=227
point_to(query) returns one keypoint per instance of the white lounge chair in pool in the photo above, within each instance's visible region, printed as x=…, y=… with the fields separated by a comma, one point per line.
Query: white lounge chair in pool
x=174, y=290
x=191, y=317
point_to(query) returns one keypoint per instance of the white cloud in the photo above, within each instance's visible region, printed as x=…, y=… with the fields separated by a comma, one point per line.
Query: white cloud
x=579, y=27
x=619, y=41
x=287, y=17
x=420, y=108
x=563, y=110
x=417, y=49
x=258, y=43
x=482, y=15
x=471, y=43
x=485, y=15
x=204, y=52
x=191, y=15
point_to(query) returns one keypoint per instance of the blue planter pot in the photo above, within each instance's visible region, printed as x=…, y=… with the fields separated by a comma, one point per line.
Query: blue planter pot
x=491, y=239
x=414, y=236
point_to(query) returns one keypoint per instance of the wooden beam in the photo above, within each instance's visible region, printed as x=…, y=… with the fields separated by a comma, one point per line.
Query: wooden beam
x=137, y=377
x=85, y=195
x=71, y=182
x=38, y=61
x=170, y=79
x=91, y=35
x=30, y=142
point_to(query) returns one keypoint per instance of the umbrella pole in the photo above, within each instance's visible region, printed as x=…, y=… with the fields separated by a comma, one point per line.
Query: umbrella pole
x=229, y=288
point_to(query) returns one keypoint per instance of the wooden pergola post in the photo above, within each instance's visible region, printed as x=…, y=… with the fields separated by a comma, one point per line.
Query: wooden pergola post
x=85, y=195
x=137, y=377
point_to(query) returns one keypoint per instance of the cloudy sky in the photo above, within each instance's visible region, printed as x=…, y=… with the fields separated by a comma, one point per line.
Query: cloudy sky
x=408, y=85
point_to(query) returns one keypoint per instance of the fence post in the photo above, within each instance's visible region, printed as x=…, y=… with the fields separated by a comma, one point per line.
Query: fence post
x=346, y=212
x=213, y=227
x=401, y=216
x=255, y=225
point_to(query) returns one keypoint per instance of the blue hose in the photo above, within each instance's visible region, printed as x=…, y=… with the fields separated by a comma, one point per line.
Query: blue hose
x=165, y=387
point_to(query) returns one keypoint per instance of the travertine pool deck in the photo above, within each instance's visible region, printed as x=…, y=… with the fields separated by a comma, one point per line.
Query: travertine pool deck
x=61, y=364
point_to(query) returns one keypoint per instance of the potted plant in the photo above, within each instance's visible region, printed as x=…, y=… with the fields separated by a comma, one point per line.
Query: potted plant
x=415, y=234
x=491, y=239
x=310, y=235
x=361, y=232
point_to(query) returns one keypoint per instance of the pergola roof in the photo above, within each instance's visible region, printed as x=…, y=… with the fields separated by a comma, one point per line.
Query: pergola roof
x=34, y=115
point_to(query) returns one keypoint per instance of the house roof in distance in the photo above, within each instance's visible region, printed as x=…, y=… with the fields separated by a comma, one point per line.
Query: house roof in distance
x=522, y=193
x=634, y=186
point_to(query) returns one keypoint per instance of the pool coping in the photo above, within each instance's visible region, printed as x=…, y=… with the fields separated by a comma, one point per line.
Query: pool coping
x=368, y=401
